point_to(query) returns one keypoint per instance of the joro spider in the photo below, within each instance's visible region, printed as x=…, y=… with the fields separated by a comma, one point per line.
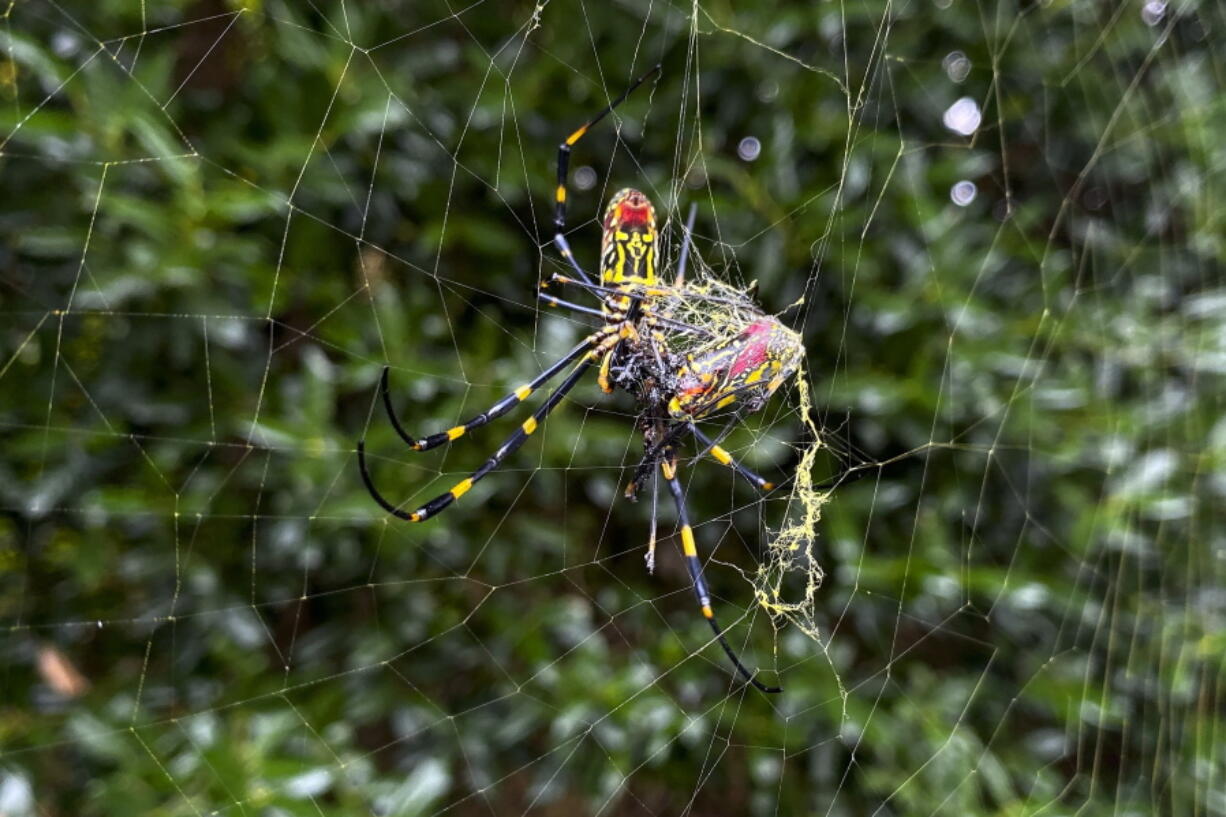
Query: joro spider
x=687, y=351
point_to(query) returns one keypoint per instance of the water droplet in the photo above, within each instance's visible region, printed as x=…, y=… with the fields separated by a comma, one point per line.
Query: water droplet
x=963, y=192
x=963, y=116
x=749, y=148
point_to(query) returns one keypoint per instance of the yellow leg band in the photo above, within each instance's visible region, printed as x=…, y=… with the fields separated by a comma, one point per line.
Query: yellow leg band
x=455, y=433
x=522, y=392
x=576, y=136
x=462, y=488
x=687, y=541
x=530, y=425
x=721, y=455
x=602, y=379
x=707, y=612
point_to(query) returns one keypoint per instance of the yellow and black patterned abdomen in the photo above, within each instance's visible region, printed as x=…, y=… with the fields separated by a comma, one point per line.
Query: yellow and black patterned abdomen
x=628, y=245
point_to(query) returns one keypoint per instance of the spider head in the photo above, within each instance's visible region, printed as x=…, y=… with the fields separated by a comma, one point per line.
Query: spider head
x=628, y=246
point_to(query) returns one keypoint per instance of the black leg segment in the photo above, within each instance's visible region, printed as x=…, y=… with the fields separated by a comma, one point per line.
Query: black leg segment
x=442, y=501
x=559, y=216
x=669, y=469
x=492, y=413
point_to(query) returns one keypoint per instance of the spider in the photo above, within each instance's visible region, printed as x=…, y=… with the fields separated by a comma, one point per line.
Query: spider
x=686, y=350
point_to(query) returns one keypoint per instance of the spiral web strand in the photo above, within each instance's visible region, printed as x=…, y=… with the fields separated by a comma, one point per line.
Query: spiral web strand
x=990, y=581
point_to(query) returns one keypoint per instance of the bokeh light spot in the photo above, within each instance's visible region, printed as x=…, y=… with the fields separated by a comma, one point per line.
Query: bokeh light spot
x=963, y=192
x=749, y=148
x=963, y=116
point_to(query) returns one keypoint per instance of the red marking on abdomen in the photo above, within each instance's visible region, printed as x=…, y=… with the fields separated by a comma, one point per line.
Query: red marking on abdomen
x=756, y=350
x=628, y=215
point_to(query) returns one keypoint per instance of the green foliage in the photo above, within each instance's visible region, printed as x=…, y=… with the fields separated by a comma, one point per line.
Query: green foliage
x=220, y=220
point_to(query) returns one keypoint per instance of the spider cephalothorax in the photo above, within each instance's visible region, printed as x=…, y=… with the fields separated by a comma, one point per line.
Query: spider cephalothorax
x=686, y=350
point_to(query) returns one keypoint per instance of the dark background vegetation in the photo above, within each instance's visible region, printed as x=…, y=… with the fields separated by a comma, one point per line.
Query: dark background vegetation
x=217, y=227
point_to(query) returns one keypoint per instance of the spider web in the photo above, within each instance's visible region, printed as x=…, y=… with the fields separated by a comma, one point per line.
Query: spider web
x=989, y=584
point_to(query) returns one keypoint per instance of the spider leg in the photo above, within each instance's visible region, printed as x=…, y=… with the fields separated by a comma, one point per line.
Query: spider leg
x=602, y=379
x=564, y=249
x=651, y=318
x=640, y=295
x=725, y=458
x=586, y=310
x=657, y=453
x=493, y=412
x=626, y=331
x=660, y=290
x=650, y=558
x=640, y=298
x=440, y=502
x=719, y=453
x=685, y=245
x=559, y=215
x=669, y=468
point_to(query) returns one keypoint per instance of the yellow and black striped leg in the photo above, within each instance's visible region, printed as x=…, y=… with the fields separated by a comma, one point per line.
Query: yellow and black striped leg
x=669, y=469
x=727, y=459
x=440, y=502
x=603, y=291
x=636, y=297
x=493, y=412
x=559, y=215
